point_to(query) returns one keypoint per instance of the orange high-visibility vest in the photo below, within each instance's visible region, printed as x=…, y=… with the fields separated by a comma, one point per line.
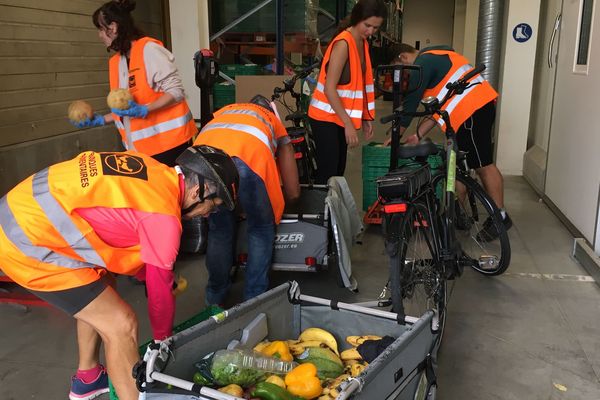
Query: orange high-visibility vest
x=460, y=107
x=358, y=96
x=162, y=129
x=47, y=246
x=249, y=132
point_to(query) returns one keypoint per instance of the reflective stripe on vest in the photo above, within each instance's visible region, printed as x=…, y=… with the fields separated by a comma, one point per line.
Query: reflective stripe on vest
x=249, y=129
x=61, y=222
x=321, y=105
x=256, y=115
x=358, y=94
x=159, y=128
x=20, y=240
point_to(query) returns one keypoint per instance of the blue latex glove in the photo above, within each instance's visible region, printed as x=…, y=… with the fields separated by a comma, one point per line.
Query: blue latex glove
x=135, y=110
x=96, y=120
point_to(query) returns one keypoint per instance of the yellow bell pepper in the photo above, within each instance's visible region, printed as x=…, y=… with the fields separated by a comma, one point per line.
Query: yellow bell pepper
x=303, y=381
x=277, y=380
x=279, y=349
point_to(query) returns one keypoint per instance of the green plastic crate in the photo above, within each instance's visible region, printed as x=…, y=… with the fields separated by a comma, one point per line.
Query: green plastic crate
x=223, y=94
x=196, y=319
x=376, y=162
x=232, y=70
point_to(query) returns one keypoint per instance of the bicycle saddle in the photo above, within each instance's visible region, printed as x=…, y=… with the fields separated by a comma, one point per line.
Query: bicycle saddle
x=422, y=149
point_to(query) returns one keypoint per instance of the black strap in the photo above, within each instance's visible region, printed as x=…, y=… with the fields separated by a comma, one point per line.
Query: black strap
x=334, y=305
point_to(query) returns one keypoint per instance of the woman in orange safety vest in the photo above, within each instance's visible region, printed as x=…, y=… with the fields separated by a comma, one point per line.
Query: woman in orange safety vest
x=158, y=122
x=67, y=228
x=344, y=99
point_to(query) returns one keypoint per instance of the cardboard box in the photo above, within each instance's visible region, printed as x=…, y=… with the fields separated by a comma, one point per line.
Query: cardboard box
x=248, y=86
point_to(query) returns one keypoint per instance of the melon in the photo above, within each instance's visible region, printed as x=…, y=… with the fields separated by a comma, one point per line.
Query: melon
x=80, y=110
x=119, y=98
x=328, y=364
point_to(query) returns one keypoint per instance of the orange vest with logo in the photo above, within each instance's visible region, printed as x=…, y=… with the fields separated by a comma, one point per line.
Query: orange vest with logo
x=162, y=129
x=47, y=246
x=247, y=131
x=460, y=107
x=358, y=96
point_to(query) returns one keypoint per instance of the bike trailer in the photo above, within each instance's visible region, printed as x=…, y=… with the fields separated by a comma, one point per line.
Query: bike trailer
x=316, y=232
x=402, y=371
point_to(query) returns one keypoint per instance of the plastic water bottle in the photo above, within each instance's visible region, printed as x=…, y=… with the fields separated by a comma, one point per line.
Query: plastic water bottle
x=249, y=359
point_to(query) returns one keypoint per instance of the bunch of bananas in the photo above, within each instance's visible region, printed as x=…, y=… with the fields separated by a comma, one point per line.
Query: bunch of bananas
x=331, y=391
x=355, y=341
x=313, y=337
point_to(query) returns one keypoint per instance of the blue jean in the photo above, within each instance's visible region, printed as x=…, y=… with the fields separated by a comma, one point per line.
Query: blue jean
x=254, y=199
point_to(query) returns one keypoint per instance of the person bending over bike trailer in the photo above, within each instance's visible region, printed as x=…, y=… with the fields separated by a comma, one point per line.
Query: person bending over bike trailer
x=255, y=138
x=344, y=99
x=67, y=229
x=473, y=112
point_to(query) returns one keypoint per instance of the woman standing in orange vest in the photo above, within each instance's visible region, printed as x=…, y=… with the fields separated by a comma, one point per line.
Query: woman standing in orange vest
x=158, y=122
x=67, y=229
x=344, y=99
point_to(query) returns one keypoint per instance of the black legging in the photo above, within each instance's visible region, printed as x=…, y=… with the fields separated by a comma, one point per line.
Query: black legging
x=330, y=149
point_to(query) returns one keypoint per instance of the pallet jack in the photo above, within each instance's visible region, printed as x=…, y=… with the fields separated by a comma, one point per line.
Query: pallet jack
x=206, y=71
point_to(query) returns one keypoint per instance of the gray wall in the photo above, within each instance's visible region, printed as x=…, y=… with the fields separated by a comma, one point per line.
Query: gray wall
x=50, y=55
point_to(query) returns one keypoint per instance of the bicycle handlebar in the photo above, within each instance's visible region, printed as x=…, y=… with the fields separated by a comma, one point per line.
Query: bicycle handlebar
x=302, y=74
x=464, y=80
x=399, y=113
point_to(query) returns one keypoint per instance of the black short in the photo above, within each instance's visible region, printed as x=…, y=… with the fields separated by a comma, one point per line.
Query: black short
x=475, y=136
x=75, y=299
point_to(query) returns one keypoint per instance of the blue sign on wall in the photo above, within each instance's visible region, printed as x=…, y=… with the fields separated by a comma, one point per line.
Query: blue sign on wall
x=522, y=32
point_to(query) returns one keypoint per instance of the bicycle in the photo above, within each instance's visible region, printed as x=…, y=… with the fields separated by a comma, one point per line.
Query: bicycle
x=299, y=133
x=427, y=236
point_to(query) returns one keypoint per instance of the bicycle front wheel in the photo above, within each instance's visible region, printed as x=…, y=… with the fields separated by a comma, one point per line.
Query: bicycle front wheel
x=417, y=279
x=480, y=230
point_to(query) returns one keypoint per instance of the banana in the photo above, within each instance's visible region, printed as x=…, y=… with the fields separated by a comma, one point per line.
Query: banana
x=298, y=348
x=358, y=340
x=348, y=363
x=357, y=369
x=350, y=354
x=331, y=388
x=320, y=335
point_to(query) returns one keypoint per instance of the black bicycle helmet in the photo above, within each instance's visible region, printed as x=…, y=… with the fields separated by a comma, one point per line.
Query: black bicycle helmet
x=215, y=165
x=262, y=101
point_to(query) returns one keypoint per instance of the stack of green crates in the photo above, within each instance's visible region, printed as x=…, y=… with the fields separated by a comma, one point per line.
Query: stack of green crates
x=196, y=319
x=376, y=163
x=224, y=92
x=232, y=70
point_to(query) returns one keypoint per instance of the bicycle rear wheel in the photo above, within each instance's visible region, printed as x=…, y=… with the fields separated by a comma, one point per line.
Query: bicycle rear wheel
x=417, y=278
x=477, y=213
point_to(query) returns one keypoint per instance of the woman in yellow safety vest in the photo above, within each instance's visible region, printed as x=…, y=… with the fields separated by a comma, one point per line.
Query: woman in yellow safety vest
x=344, y=99
x=158, y=121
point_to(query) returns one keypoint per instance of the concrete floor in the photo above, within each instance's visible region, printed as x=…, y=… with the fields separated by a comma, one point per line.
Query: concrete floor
x=523, y=335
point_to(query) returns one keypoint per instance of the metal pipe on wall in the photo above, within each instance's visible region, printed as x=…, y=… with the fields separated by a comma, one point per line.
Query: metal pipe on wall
x=489, y=38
